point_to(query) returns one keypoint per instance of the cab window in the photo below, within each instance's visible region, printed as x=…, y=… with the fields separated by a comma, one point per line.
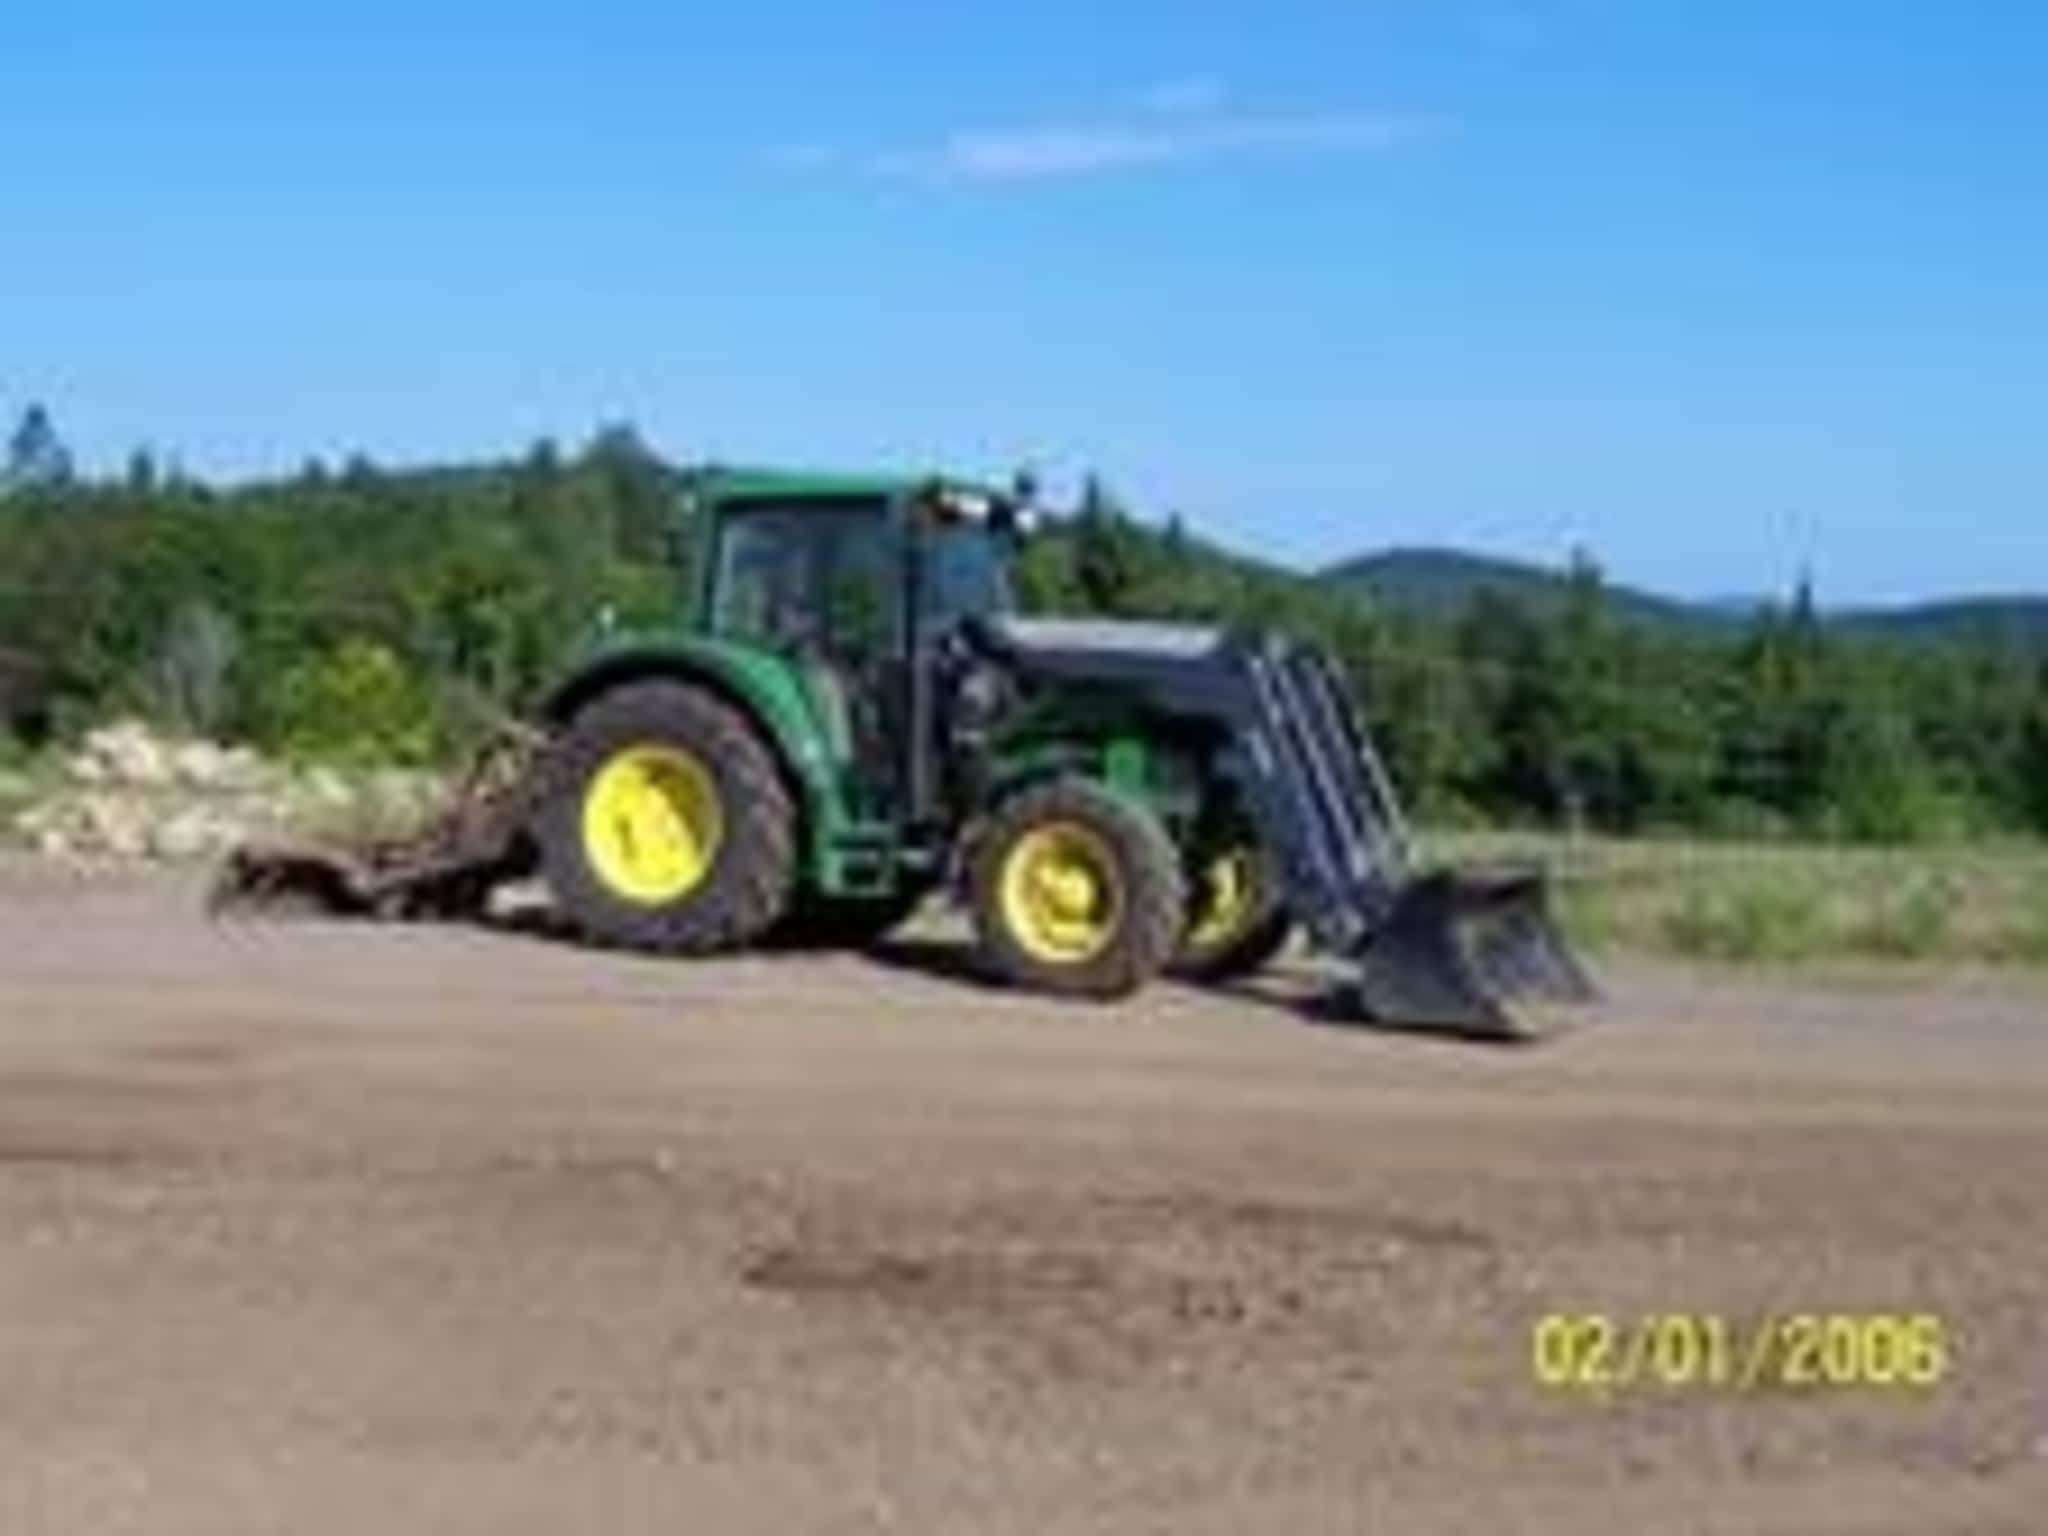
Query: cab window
x=811, y=577
x=966, y=574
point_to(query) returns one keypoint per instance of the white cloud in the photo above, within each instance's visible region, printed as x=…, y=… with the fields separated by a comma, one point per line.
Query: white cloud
x=1020, y=154
x=1043, y=152
x=1173, y=121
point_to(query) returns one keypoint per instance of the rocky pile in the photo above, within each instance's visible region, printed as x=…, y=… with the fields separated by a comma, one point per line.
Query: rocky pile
x=128, y=792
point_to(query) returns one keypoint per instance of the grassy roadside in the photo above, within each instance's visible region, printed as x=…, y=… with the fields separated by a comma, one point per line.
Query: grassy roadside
x=1790, y=903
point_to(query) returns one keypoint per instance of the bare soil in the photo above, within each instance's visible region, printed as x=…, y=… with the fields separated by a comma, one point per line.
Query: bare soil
x=323, y=1227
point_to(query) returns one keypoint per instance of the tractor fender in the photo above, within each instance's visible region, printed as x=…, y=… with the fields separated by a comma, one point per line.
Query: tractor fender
x=763, y=688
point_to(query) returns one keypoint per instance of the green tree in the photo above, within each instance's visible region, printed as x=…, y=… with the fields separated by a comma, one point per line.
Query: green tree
x=142, y=476
x=370, y=612
x=1110, y=553
x=37, y=458
x=357, y=703
x=191, y=683
x=2032, y=778
x=1876, y=783
x=1777, y=712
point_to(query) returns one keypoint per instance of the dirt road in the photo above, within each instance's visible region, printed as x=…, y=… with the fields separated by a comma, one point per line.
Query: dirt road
x=327, y=1228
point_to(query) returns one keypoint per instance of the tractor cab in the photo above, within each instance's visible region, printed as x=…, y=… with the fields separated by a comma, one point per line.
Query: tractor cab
x=854, y=582
x=825, y=559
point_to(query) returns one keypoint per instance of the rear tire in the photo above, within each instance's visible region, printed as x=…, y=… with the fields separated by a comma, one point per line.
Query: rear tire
x=666, y=825
x=1075, y=891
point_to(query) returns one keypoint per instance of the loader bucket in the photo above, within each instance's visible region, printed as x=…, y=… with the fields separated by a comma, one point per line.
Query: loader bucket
x=1471, y=953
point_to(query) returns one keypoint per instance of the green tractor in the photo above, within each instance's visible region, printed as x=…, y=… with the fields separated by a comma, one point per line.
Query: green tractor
x=853, y=717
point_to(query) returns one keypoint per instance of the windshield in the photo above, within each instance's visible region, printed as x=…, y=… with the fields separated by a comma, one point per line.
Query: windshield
x=966, y=572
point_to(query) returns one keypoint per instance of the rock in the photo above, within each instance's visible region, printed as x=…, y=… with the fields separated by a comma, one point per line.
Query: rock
x=400, y=799
x=198, y=764
x=193, y=833
x=129, y=793
x=112, y=824
x=323, y=786
x=130, y=754
x=393, y=788
x=241, y=769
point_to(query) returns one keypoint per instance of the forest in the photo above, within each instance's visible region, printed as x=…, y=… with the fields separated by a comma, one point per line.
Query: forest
x=356, y=612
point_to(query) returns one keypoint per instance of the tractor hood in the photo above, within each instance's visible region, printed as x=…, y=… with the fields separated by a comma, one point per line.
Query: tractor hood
x=1082, y=640
x=1172, y=665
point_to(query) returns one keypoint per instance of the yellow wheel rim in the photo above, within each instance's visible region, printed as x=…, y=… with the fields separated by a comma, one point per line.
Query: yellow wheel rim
x=1062, y=896
x=652, y=824
x=1229, y=898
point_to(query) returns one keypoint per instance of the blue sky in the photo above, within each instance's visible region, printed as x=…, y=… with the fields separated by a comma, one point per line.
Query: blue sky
x=1716, y=288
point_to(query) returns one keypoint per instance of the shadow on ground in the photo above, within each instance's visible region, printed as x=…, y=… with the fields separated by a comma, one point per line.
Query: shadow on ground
x=1310, y=991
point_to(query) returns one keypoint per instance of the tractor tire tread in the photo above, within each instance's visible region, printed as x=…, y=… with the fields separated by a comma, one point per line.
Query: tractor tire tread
x=752, y=876
x=1156, y=898
x=1247, y=954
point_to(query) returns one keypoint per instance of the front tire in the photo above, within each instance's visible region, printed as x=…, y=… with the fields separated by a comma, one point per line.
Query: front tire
x=1237, y=923
x=1075, y=891
x=666, y=825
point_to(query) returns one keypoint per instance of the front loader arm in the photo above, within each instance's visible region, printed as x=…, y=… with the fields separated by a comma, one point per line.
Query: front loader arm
x=1450, y=949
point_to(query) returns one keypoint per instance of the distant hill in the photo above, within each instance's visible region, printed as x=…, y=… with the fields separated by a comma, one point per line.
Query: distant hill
x=2017, y=620
x=1441, y=582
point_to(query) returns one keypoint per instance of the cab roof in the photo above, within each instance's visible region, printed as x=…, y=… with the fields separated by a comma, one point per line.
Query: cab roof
x=731, y=482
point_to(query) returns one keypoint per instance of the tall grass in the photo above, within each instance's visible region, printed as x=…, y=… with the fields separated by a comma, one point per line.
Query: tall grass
x=1787, y=903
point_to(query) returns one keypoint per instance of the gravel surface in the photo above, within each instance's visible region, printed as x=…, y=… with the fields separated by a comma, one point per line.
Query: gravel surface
x=321, y=1228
